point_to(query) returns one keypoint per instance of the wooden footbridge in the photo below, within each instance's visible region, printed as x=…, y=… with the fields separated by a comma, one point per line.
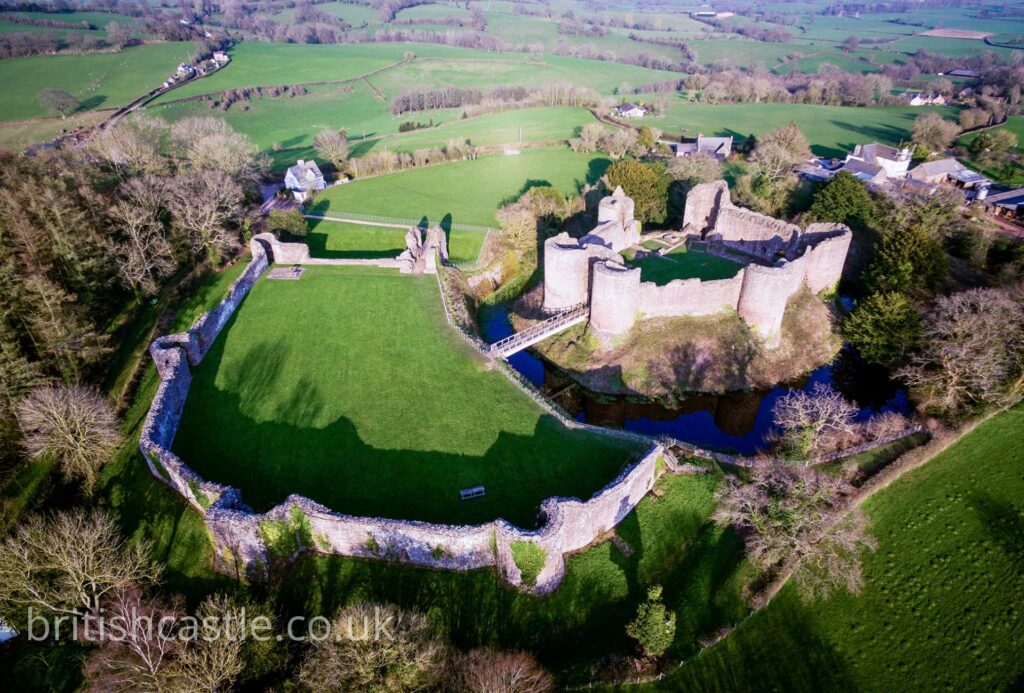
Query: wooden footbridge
x=558, y=322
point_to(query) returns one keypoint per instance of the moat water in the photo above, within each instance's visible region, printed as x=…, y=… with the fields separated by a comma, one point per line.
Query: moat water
x=730, y=422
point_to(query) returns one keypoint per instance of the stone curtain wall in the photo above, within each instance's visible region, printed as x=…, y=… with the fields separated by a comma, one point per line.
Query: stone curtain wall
x=690, y=296
x=239, y=534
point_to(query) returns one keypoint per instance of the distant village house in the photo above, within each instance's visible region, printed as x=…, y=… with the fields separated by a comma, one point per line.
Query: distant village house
x=630, y=110
x=917, y=98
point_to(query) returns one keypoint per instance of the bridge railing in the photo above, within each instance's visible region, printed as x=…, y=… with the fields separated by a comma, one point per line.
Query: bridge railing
x=551, y=323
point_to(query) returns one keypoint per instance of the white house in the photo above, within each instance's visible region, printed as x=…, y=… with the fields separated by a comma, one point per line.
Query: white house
x=303, y=179
x=220, y=57
x=917, y=98
x=630, y=110
x=876, y=163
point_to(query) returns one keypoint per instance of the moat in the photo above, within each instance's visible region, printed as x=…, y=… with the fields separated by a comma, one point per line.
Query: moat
x=730, y=422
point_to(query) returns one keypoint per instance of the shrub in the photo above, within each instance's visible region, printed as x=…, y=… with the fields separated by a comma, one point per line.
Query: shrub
x=653, y=628
x=529, y=558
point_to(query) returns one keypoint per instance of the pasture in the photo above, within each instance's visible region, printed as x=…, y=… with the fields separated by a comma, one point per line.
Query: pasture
x=270, y=64
x=464, y=192
x=97, y=80
x=941, y=603
x=349, y=387
x=832, y=130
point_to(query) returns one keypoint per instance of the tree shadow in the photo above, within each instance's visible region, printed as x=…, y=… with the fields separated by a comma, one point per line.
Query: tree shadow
x=91, y=103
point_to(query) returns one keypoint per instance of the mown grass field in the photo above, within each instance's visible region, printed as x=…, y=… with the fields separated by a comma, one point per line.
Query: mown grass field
x=941, y=607
x=832, y=130
x=97, y=80
x=1015, y=176
x=349, y=387
x=464, y=192
x=332, y=239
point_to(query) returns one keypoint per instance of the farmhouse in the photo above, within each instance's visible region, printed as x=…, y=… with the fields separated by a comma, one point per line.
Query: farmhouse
x=303, y=179
x=777, y=260
x=876, y=163
x=716, y=147
x=221, y=58
x=630, y=110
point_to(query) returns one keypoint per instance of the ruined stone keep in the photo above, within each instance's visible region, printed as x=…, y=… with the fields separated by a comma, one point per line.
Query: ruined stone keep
x=778, y=258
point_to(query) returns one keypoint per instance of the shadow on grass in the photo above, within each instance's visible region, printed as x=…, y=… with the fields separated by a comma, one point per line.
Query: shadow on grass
x=225, y=441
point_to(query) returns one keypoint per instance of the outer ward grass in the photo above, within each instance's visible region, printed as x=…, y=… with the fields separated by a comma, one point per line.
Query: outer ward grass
x=464, y=192
x=348, y=387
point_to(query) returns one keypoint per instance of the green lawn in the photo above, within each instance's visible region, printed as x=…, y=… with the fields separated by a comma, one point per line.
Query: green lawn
x=332, y=239
x=97, y=80
x=465, y=192
x=832, y=130
x=349, y=387
x=683, y=264
x=941, y=608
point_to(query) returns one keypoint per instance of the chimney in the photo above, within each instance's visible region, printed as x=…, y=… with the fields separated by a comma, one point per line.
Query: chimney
x=302, y=162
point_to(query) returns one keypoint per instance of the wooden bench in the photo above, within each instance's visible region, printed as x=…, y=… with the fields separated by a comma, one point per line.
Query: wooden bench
x=474, y=492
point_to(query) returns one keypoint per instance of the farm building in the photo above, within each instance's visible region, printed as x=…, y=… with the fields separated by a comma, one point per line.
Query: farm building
x=1008, y=204
x=947, y=170
x=304, y=178
x=717, y=147
x=630, y=110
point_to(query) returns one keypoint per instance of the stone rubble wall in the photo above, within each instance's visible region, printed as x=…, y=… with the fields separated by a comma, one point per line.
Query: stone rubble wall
x=237, y=533
x=298, y=254
x=690, y=297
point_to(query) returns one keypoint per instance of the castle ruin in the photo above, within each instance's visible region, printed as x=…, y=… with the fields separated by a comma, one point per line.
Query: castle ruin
x=777, y=259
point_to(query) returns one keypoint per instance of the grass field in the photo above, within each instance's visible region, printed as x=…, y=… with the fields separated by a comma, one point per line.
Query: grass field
x=97, y=80
x=832, y=130
x=273, y=126
x=331, y=239
x=349, y=387
x=683, y=264
x=941, y=607
x=465, y=192
x=268, y=64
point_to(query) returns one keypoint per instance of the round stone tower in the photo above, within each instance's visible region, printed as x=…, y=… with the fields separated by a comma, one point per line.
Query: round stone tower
x=764, y=295
x=613, y=298
x=566, y=273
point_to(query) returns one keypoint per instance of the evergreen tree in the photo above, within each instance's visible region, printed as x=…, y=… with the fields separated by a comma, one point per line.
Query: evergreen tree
x=844, y=200
x=883, y=328
x=647, y=184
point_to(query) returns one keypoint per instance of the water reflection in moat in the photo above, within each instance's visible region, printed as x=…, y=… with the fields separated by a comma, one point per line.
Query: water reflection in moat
x=734, y=421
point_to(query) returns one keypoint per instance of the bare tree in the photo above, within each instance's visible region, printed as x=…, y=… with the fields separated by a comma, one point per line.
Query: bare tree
x=213, y=660
x=488, y=671
x=788, y=514
x=972, y=351
x=814, y=422
x=933, y=132
x=210, y=144
x=57, y=100
x=67, y=564
x=518, y=225
x=132, y=145
x=374, y=648
x=333, y=146
x=144, y=255
x=140, y=648
x=202, y=204
x=695, y=169
x=72, y=424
